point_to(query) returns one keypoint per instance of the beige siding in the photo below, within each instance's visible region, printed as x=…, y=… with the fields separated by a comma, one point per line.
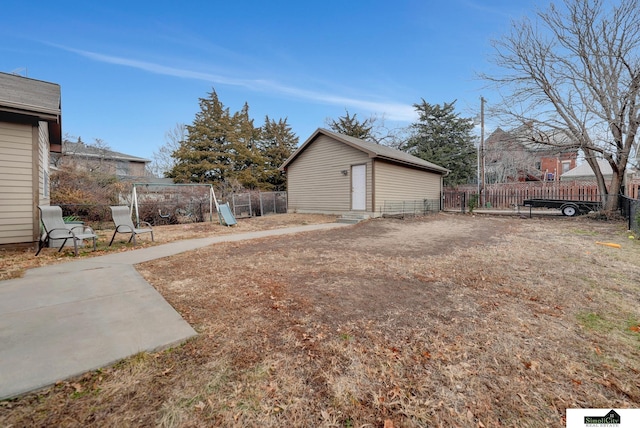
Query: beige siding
x=315, y=182
x=16, y=183
x=395, y=183
x=43, y=160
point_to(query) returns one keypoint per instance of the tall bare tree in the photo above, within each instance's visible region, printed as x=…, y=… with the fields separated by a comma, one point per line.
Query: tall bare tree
x=574, y=72
x=163, y=160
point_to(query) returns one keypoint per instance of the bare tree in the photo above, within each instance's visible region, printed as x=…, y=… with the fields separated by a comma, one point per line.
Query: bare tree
x=163, y=160
x=574, y=71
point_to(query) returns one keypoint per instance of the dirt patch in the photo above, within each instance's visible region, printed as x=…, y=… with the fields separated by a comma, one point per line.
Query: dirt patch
x=446, y=320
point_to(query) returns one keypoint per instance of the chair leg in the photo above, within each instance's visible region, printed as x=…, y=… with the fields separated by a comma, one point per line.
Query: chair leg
x=112, y=238
x=42, y=243
x=94, y=243
x=75, y=247
x=152, y=236
x=63, y=243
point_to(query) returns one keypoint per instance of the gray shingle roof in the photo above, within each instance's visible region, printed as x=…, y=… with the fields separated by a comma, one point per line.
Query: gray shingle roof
x=85, y=150
x=585, y=170
x=372, y=149
x=29, y=96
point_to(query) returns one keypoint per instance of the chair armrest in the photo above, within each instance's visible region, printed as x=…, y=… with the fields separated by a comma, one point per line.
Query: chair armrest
x=146, y=223
x=60, y=233
x=78, y=232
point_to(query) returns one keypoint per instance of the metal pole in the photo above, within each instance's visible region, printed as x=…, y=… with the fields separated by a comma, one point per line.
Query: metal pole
x=481, y=195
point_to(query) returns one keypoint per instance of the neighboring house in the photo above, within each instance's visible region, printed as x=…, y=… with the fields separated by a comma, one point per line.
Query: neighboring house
x=30, y=128
x=331, y=173
x=585, y=173
x=93, y=158
x=513, y=156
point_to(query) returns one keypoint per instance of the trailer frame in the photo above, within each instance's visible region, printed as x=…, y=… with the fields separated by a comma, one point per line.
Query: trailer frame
x=567, y=207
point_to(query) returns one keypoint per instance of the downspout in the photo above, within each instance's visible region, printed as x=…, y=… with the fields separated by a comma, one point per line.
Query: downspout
x=373, y=187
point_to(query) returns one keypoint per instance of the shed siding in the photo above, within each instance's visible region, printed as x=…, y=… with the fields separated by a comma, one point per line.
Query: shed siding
x=16, y=183
x=398, y=183
x=315, y=181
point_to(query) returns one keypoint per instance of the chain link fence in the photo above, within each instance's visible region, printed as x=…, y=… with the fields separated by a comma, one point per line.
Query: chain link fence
x=630, y=209
x=251, y=204
x=401, y=209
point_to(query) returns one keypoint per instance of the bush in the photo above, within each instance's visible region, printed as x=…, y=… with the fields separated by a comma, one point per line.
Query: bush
x=84, y=194
x=473, y=202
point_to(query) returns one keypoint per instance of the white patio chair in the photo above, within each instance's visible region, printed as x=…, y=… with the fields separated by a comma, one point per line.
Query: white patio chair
x=124, y=224
x=55, y=228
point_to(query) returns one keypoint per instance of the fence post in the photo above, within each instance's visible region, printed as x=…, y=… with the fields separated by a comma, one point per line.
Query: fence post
x=261, y=205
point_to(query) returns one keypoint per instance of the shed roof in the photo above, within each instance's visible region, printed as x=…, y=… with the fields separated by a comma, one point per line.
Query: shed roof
x=31, y=97
x=584, y=170
x=374, y=150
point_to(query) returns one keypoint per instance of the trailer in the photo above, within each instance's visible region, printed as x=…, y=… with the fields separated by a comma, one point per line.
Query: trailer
x=567, y=207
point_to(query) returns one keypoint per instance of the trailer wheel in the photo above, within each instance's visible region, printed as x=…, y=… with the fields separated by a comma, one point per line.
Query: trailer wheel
x=569, y=210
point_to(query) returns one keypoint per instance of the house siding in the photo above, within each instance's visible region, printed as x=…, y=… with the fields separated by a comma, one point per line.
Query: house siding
x=16, y=183
x=316, y=183
x=396, y=183
x=43, y=164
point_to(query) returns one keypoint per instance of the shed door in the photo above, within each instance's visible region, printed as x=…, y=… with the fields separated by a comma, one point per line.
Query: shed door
x=359, y=187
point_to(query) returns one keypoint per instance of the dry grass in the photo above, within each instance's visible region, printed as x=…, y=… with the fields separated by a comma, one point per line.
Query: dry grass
x=13, y=263
x=453, y=321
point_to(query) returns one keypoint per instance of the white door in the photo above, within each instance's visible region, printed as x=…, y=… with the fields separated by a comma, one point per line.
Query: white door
x=359, y=187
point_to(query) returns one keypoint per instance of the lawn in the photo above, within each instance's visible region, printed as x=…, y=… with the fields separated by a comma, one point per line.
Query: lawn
x=447, y=320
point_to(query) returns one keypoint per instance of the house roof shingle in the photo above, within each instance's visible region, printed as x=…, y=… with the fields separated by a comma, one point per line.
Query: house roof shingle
x=84, y=150
x=30, y=96
x=585, y=170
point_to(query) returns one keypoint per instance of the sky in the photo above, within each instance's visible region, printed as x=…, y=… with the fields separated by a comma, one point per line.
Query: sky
x=130, y=71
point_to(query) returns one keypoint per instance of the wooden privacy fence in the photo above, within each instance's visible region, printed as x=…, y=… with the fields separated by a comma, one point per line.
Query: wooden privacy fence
x=508, y=195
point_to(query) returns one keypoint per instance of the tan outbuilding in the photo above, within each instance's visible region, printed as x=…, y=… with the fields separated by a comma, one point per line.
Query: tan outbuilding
x=331, y=173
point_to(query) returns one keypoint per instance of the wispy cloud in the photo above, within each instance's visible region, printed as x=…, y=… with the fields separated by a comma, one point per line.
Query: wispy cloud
x=391, y=110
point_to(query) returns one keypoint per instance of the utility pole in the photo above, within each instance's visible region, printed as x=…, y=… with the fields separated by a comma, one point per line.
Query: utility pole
x=481, y=155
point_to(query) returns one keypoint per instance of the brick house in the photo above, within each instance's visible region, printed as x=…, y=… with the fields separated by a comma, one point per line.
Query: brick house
x=514, y=156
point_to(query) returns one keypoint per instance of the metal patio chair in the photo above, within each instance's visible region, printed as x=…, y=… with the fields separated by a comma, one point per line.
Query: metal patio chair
x=122, y=218
x=54, y=227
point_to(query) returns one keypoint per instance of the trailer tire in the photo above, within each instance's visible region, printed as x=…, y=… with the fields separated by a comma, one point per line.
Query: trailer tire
x=569, y=210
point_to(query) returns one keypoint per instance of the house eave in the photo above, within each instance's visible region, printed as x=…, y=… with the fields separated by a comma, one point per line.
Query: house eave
x=49, y=115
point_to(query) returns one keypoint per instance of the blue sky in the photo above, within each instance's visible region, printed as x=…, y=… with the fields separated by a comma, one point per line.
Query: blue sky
x=130, y=71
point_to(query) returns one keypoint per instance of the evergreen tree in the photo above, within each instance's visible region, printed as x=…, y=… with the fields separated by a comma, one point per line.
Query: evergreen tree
x=246, y=159
x=276, y=144
x=219, y=147
x=442, y=137
x=351, y=126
